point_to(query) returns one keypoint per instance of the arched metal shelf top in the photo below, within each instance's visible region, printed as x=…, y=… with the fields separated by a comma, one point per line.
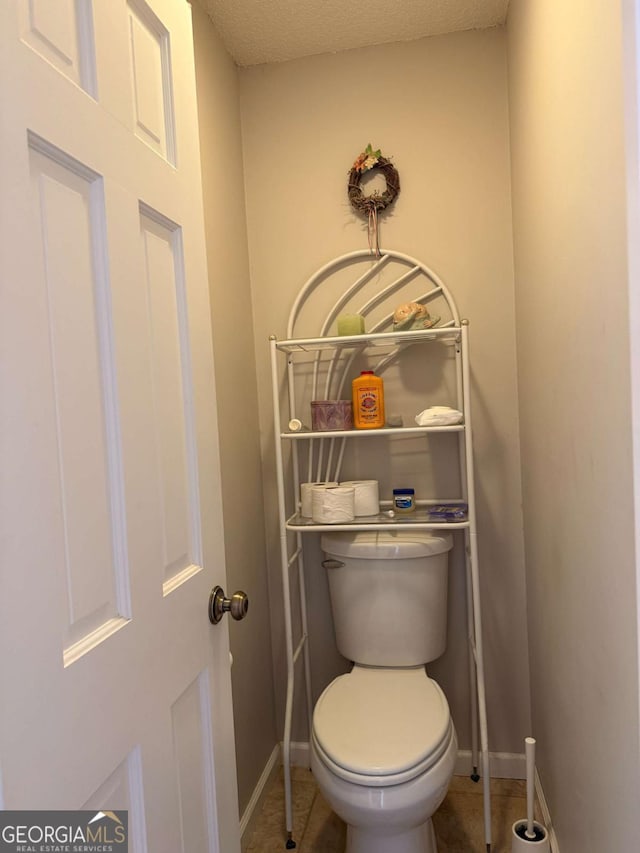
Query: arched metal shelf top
x=409, y=268
x=396, y=271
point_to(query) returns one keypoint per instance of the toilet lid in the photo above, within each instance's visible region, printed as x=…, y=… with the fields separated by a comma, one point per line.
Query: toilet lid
x=381, y=722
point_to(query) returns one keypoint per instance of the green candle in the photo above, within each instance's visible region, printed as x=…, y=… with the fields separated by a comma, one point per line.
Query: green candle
x=350, y=324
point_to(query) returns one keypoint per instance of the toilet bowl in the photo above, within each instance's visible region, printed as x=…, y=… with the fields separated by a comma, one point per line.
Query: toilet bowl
x=383, y=751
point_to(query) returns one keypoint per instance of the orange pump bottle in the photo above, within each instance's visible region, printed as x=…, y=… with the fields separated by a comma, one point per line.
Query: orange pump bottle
x=368, y=401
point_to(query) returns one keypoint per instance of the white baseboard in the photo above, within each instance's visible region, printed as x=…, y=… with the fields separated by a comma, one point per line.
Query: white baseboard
x=546, y=816
x=254, y=805
x=502, y=765
x=300, y=753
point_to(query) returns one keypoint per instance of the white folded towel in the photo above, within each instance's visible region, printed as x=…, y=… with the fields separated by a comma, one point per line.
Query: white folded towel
x=439, y=416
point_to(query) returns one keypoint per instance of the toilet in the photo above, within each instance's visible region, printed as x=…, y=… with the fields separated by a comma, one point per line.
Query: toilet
x=383, y=745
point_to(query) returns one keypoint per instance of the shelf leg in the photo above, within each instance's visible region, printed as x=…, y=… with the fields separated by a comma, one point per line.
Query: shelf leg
x=475, y=585
x=480, y=683
x=286, y=762
x=305, y=632
x=473, y=694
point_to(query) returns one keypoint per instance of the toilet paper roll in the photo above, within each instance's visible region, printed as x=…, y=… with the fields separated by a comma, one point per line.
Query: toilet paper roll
x=332, y=505
x=305, y=496
x=367, y=497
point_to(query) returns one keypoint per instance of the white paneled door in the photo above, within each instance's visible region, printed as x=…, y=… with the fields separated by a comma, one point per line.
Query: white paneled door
x=115, y=688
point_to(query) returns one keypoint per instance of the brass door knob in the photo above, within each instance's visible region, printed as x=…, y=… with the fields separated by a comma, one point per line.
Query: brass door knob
x=237, y=605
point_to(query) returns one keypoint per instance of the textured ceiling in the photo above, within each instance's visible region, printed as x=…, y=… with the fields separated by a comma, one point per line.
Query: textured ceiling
x=256, y=31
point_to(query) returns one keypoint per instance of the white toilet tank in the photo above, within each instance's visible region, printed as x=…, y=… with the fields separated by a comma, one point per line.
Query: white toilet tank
x=388, y=595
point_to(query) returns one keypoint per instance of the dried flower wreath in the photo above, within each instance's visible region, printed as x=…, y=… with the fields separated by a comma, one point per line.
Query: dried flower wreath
x=370, y=205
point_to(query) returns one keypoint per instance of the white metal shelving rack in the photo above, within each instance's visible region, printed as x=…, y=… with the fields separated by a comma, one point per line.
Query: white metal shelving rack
x=378, y=284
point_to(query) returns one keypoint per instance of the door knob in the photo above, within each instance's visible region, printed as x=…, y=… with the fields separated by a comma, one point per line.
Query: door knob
x=237, y=605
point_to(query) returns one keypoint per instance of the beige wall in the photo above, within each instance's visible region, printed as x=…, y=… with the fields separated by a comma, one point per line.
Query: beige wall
x=218, y=112
x=567, y=131
x=439, y=107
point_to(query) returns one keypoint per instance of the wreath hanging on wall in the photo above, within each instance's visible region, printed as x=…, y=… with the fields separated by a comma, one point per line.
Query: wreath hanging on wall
x=371, y=205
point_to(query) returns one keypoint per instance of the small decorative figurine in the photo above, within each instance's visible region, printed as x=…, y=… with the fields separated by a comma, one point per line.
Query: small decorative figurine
x=411, y=316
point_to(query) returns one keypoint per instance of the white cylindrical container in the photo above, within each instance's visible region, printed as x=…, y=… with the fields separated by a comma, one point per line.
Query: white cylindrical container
x=521, y=844
x=388, y=595
x=367, y=496
x=332, y=505
x=305, y=496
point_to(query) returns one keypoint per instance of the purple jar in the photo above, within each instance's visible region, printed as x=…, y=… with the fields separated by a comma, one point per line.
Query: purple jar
x=327, y=415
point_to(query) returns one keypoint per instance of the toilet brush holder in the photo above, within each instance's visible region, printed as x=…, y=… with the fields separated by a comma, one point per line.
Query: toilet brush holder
x=521, y=843
x=529, y=835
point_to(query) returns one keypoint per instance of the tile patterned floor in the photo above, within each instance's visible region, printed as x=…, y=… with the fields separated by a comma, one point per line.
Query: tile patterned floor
x=458, y=822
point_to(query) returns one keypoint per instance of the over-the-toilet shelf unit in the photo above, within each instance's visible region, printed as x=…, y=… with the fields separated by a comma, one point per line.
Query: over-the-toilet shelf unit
x=371, y=287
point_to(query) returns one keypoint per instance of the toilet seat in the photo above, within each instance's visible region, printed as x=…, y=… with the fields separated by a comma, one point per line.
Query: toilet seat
x=381, y=726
